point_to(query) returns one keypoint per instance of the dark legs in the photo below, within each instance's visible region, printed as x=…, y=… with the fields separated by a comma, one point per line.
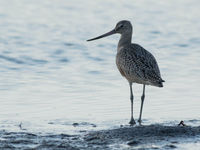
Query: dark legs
x=142, y=101
x=132, y=121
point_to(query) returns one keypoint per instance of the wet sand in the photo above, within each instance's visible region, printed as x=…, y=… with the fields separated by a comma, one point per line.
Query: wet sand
x=155, y=136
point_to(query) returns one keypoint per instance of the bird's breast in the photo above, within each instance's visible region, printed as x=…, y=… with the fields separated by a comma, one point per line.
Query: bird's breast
x=127, y=67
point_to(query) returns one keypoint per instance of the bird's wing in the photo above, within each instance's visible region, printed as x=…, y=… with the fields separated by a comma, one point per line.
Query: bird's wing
x=140, y=63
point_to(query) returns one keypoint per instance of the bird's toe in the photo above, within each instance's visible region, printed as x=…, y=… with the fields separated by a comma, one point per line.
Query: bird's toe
x=132, y=122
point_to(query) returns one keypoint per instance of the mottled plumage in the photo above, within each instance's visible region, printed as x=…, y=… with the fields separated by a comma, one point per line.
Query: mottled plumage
x=135, y=63
x=138, y=65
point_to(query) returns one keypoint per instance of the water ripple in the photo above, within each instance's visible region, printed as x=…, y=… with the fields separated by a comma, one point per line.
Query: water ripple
x=12, y=59
x=30, y=60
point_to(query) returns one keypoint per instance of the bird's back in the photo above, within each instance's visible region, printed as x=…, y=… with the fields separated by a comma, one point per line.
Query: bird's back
x=138, y=65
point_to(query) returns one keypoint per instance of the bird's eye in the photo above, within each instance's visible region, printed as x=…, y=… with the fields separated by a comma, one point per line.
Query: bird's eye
x=118, y=27
x=121, y=26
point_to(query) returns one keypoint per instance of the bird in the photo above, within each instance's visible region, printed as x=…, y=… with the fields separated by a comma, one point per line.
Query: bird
x=134, y=63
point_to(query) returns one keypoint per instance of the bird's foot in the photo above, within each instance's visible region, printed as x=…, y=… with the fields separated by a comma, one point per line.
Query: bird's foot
x=132, y=122
x=140, y=122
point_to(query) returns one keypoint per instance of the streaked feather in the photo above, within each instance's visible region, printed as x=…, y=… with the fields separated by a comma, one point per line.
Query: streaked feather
x=138, y=65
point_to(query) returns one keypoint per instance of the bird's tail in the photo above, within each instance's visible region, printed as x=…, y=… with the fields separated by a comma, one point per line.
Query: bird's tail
x=159, y=83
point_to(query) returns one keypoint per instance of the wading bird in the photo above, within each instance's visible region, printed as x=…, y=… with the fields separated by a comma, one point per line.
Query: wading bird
x=134, y=63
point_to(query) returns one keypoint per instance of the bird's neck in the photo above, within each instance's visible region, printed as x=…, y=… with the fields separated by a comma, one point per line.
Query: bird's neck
x=125, y=40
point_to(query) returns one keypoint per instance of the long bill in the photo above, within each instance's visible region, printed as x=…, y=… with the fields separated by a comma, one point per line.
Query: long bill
x=104, y=35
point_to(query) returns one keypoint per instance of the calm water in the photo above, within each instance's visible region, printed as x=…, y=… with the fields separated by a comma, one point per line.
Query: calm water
x=51, y=77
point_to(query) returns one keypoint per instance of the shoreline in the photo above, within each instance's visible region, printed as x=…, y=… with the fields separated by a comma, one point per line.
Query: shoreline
x=156, y=136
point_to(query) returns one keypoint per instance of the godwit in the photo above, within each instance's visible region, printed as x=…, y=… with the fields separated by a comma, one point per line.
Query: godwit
x=135, y=63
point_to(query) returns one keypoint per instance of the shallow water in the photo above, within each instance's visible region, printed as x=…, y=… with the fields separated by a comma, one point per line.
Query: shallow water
x=52, y=78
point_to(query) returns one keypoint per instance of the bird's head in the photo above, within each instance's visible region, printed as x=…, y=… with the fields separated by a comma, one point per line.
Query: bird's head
x=122, y=27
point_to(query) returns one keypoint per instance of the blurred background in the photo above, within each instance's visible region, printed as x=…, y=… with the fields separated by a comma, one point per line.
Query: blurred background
x=51, y=77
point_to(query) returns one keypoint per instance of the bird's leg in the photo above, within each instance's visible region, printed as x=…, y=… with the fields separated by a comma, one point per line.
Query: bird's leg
x=142, y=101
x=132, y=121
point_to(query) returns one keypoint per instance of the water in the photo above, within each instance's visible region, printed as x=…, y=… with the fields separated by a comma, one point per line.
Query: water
x=51, y=77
